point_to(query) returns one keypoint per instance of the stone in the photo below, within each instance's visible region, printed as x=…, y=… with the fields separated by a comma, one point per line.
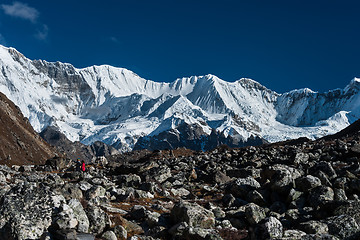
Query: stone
x=241, y=186
x=342, y=226
x=281, y=177
x=340, y=194
x=180, y=192
x=109, y=235
x=314, y=227
x=95, y=191
x=65, y=234
x=350, y=208
x=162, y=174
x=120, y=232
x=143, y=194
x=193, y=214
x=221, y=178
x=27, y=211
x=80, y=215
x=129, y=180
x=66, y=218
x=2, y=178
x=325, y=167
x=271, y=229
x=320, y=195
x=97, y=219
x=257, y=198
x=293, y=235
x=254, y=214
x=307, y=182
x=71, y=190
x=138, y=212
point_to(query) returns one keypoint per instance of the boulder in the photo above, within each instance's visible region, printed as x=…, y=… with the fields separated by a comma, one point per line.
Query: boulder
x=193, y=214
x=313, y=227
x=242, y=186
x=270, y=229
x=254, y=214
x=97, y=219
x=80, y=215
x=26, y=211
x=320, y=195
x=307, y=182
x=343, y=226
x=109, y=235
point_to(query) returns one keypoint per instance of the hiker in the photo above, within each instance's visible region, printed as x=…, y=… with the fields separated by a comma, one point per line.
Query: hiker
x=78, y=165
x=83, y=166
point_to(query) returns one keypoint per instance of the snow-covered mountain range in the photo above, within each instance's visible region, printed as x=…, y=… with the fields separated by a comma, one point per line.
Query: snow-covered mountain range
x=116, y=106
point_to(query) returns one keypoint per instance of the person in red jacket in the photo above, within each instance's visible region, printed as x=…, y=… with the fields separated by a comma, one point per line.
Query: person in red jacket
x=82, y=166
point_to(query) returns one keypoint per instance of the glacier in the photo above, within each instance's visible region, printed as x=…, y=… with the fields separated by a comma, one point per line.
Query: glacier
x=118, y=107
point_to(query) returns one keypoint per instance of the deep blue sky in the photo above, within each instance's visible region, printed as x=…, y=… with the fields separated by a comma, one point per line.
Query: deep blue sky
x=281, y=44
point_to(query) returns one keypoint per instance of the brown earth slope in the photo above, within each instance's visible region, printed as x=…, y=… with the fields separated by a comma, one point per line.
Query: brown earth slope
x=19, y=143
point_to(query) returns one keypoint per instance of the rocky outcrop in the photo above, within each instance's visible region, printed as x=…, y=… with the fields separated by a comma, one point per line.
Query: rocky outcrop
x=19, y=143
x=76, y=150
x=193, y=137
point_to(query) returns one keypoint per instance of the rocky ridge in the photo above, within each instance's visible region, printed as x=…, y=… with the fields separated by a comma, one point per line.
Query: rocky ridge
x=19, y=143
x=292, y=190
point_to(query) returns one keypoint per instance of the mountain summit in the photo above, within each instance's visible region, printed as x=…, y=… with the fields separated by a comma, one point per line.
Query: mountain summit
x=117, y=107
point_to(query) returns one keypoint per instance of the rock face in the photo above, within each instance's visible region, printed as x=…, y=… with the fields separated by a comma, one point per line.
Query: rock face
x=75, y=150
x=290, y=190
x=19, y=143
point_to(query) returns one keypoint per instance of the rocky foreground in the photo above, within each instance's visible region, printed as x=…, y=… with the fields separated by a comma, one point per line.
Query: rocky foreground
x=296, y=190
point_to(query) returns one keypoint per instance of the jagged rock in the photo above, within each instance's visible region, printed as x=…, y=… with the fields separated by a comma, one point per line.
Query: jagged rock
x=143, y=194
x=257, y=198
x=26, y=211
x=97, y=219
x=162, y=174
x=340, y=194
x=181, y=192
x=319, y=237
x=293, y=235
x=71, y=190
x=95, y=191
x=2, y=178
x=343, y=226
x=324, y=167
x=109, y=235
x=192, y=233
x=221, y=178
x=193, y=214
x=242, y=186
x=177, y=231
x=293, y=195
x=351, y=208
x=80, y=215
x=66, y=218
x=138, y=212
x=129, y=180
x=120, y=232
x=254, y=213
x=313, y=227
x=282, y=177
x=59, y=163
x=320, y=195
x=301, y=158
x=271, y=229
x=307, y=182
x=65, y=234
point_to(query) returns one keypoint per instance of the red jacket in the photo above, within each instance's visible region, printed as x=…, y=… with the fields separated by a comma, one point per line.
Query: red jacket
x=83, y=167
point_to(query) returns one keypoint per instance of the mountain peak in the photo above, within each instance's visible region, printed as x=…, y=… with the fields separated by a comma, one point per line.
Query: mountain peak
x=116, y=106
